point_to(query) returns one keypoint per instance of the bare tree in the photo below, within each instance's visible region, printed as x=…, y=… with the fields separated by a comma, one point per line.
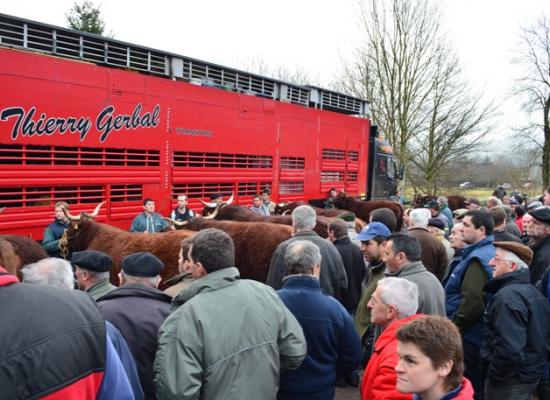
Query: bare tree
x=533, y=88
x=457, y=122
x=413, y=78
x=281, y=72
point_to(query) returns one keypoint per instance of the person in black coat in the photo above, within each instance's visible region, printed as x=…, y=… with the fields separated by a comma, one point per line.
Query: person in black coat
x=516, y=340
x=539, y=231
x=138, y=309
x=354, y=263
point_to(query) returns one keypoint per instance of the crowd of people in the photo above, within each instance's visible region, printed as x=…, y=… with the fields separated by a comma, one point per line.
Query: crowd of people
x=456, y=305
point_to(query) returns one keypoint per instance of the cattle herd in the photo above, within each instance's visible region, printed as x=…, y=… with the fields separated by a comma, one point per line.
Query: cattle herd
x=256, y=237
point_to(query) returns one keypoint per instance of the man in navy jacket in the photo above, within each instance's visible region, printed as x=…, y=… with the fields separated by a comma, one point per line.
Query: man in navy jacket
x=333, y=346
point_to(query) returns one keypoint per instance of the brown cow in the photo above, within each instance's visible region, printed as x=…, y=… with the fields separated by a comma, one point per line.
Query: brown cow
x=362, y=209
x=243, y=214
x=17, y=251
x=255, y=242
x=456, y=201
x=325, y=212
x=89, y=235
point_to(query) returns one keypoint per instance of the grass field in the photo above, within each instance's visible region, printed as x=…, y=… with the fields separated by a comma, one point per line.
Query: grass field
x=480, y=193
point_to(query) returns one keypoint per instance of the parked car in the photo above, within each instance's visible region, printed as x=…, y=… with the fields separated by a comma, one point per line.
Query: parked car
x=465, y=185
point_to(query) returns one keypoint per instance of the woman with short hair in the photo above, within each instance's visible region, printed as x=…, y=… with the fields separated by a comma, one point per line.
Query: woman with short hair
x=431, y=360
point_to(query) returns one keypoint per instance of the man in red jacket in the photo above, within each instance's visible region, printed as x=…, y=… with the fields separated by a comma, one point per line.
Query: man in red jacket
x=393, y=303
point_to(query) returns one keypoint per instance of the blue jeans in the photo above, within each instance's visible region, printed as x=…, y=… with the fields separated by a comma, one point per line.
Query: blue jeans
x=499, y=391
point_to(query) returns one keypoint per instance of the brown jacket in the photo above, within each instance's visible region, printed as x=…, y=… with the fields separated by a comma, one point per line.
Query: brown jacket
x=434, y=255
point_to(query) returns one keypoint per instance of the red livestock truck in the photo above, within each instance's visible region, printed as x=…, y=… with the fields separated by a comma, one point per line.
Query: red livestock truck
x=85, y=118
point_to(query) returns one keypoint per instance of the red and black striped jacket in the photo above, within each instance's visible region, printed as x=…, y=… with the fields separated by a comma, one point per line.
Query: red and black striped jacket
x=52, y=342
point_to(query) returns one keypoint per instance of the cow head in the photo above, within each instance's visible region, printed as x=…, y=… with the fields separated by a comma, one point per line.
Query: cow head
x=73, y=233
x=214, y=205
x=343, y=200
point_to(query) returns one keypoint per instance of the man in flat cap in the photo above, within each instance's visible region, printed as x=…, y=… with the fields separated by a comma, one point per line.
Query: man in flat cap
x=138, y=309
x=517, y=327
x=539, y=231
x=92, y=269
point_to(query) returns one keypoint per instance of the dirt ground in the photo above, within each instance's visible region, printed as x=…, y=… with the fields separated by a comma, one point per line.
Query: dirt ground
x=348, y=393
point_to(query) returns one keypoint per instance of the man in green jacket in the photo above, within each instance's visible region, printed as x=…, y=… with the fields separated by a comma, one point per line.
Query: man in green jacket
x=227, y=338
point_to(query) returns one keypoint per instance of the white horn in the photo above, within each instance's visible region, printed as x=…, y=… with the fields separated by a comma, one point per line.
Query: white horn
x=228, y=202
x=69, y=215
x=209, y=205
x=96, y=211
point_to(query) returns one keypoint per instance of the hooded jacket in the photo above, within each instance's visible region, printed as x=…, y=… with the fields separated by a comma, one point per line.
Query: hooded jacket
x=227, y=338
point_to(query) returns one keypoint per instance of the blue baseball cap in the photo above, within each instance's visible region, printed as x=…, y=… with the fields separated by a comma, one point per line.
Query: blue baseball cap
x=372, y=230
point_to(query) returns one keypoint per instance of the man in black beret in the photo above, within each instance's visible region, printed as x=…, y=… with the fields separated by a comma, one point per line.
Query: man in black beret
x=539, y=231
x=138, y=309
x=92, y=269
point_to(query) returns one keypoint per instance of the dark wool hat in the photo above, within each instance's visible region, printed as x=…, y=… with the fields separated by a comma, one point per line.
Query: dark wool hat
x=431, y=204
x=523, y=252
x=541, y=214
x=142, y=264
x=437, y=223
x=92, y=260
x=348, y=217
x=214, y=196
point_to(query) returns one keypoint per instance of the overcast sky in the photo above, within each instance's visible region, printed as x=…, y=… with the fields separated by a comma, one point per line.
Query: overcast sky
x=314, y=36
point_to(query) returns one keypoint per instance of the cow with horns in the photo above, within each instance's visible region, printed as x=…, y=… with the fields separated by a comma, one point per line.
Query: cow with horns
x=243, y=214
x=362, y=209
x=84, y=233
x=254, y=242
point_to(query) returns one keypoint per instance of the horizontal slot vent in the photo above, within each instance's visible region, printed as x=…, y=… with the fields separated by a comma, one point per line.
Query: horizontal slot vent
x=49, y=195
x=122, y=193
x=332, y=176
x=291, y=187
x=293, y=163
x=202, y=190
x=221, y=160
x=78, y=156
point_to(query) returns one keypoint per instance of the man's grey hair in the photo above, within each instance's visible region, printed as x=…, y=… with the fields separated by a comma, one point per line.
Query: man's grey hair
x=304, y=218
x=150, y=281
x=401, y=293
x=512, y=257
x=443, y=200
x=495, y=199
x=50, y=272
x=420, y=217
x=300, y=257
x=96, y=276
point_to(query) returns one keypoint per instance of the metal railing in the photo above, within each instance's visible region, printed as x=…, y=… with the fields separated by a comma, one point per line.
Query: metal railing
x=21, y=33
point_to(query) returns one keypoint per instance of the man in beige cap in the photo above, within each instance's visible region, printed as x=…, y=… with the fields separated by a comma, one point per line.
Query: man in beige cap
x=516, y=339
